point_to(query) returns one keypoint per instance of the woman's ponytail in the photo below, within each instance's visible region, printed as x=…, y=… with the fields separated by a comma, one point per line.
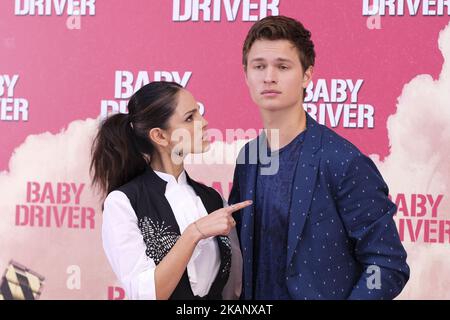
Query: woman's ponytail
x=122, y=149
x=115, y=157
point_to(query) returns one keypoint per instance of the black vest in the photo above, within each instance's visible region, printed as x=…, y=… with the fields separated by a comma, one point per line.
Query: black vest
x=160, y=230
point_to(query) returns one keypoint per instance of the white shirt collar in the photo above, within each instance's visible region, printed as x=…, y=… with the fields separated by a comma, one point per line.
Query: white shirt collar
x=170, y=179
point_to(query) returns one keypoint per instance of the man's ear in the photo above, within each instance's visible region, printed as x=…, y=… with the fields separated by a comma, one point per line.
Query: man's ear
x=159, y=137
x=245, y=74
x=307, y=76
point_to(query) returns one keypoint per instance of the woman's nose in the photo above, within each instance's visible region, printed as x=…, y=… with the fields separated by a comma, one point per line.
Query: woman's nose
x=205, y=123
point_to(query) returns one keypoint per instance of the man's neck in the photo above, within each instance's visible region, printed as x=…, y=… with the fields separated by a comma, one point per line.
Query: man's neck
x=288, y=122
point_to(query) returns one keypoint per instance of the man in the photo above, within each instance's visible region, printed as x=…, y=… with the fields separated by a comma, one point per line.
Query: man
x=321, y=226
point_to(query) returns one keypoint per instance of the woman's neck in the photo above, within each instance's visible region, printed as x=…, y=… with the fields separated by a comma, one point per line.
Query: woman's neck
x=163, y=163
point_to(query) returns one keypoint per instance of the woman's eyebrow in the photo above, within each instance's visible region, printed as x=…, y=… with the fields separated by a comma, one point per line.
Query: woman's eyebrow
x=193, y=110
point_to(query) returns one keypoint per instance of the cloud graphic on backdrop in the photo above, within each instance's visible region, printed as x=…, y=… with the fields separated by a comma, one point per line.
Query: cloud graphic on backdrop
x=58, y=243
x=419, y=163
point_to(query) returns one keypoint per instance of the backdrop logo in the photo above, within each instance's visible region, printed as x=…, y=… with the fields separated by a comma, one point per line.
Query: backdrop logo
x=334, y=111
x=57, y=7
x=213, y=10
x=420, y=218
x=402, y=7
x=11, y=108
x=116, y=293
x=56, y=205
x=126, y=83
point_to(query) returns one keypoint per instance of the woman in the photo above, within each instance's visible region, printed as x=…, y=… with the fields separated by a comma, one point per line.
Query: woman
x=164, y=234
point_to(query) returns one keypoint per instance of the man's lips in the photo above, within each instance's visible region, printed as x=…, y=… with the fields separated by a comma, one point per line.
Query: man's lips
x=270, y=92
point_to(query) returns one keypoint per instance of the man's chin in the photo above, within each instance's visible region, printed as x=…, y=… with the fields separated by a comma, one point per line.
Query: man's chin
x=271, y=107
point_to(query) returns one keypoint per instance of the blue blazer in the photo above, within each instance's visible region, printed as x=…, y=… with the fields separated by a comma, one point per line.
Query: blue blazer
x=342, y=240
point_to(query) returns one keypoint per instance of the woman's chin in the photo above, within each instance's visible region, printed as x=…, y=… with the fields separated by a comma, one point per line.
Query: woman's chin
x=206, y=146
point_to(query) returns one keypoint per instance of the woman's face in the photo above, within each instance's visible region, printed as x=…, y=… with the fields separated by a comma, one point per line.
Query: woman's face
x=187, y=127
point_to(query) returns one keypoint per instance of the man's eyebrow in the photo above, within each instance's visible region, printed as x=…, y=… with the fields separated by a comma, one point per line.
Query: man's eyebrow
x=257, y=59
x=283, y=60
x=277, y=59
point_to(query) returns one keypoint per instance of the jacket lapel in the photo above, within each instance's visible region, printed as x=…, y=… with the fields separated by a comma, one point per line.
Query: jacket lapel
x=303, y=185
x=248, y=192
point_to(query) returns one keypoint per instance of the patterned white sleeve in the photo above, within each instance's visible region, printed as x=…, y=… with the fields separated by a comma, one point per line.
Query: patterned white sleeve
x=233, y=287
x=125, y=248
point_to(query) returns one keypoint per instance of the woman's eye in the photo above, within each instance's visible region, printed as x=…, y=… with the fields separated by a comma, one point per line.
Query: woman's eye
x=189, y=119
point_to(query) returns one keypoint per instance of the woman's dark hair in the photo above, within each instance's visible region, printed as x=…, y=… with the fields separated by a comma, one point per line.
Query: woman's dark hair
x=122, y=148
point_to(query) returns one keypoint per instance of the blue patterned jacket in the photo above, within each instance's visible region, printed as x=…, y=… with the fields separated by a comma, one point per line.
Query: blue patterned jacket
x=342, y=240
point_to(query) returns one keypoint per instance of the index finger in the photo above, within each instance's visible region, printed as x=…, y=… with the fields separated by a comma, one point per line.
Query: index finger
x=240, y=205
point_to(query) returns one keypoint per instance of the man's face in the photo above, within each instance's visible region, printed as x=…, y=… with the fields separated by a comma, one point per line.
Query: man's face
x=275, y=75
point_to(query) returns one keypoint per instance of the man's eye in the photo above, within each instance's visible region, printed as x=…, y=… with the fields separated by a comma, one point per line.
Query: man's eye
x=284, y=67
x=259, y=67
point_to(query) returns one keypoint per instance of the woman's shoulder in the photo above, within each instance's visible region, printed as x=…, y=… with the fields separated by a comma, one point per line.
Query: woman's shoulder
x=115, y=195
x=132, y=188
x=116, y=207
x=116, y=198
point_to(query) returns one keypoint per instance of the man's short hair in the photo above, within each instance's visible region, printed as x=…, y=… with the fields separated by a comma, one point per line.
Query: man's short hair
x=282, y=28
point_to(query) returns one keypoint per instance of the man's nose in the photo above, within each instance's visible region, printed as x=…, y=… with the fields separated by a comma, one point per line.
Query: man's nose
x=270, y=76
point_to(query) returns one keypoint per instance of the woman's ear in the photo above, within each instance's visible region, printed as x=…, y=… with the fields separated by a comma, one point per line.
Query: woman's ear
x=159, y=137
x=307, y=76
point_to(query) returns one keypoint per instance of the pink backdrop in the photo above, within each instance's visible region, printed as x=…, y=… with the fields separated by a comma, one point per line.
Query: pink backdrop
x=62, y=71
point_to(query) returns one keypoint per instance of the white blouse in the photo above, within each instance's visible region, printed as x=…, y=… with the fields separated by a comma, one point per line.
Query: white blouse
x=125, y=247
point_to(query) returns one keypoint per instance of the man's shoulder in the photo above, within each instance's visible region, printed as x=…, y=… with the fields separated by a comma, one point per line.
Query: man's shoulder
x=340, y=157
x=336, y=147
x=333, y=147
